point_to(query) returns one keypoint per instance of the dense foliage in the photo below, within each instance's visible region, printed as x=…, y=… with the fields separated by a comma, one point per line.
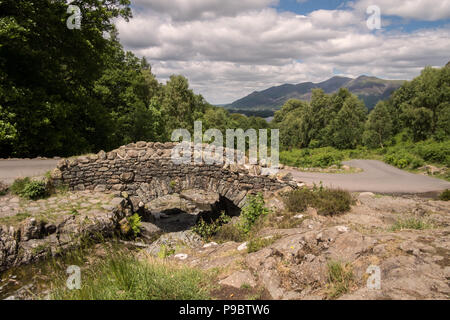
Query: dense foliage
x=66, y=92
x=419, y=110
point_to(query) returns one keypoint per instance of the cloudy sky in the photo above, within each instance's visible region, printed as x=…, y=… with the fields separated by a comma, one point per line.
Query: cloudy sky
x=230, y=48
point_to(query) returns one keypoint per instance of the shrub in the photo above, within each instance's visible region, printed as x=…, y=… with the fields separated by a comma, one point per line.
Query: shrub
x=298, y=200
x=445, y=196
x=35, y=190
x=307, y=158
x=402, y=159
x=135, y=224
x=326, y=201
x=330, y=202
x=230, y=232
x=340, y=278
x=19, y=185
x=252, y=212
x=434, y=152
x=207, y=230
x=30, y=189
x=124, y=277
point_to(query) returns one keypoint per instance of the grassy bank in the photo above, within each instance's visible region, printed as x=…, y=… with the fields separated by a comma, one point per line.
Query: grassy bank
x=404, y=155
x=121, y=276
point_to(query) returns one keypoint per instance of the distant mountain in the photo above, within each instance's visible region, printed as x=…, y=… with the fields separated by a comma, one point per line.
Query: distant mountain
x=369, y=89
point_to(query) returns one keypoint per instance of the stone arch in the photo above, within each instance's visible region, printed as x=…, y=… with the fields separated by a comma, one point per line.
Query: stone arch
x=145, y=170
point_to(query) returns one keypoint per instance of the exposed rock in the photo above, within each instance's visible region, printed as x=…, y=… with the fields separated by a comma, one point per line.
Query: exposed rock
x=172, y=240
x=239, y=279
x=242, y=247
x=35, y=239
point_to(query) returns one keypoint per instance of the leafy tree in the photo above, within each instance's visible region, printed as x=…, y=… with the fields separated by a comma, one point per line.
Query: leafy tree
x=346, y=129
x=422, y=104
x=47, y=72
x=379, y=126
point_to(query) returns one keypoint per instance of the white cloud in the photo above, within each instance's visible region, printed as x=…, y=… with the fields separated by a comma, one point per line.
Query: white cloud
x=183, y=10
x=238, y=51
x=428, y=10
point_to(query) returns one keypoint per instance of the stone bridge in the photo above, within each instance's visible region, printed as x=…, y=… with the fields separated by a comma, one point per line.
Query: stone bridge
x=145, y=171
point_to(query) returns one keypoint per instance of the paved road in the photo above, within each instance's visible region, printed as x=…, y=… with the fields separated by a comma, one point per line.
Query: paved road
x=13, y=169
x=377, y=177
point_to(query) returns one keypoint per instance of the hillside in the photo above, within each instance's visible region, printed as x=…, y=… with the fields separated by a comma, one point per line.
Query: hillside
x=369, y=89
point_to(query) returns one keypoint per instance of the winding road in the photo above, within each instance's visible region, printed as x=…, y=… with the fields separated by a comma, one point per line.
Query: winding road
x=377, y=176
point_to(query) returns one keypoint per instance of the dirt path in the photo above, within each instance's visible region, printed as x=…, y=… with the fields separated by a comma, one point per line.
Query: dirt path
x=377, y=177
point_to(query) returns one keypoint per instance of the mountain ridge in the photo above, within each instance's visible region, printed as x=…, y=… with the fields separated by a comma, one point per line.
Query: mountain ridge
x=369, y=89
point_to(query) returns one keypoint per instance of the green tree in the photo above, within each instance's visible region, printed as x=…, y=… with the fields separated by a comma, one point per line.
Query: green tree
x=50, y=93
x=379, y=126
x=346, y=129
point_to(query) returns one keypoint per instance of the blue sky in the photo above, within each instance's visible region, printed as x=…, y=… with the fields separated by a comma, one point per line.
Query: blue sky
x=397, y=23
x=308, y=6
x=230, y=48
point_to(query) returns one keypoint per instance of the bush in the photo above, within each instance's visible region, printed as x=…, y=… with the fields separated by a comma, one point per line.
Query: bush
x=312, y=158
x=434, y=152
x=327, y=201
x=445, y=196
x=207, y=230
x=135, y=224
x=19, y=185
x=299, y=200
x=330, y=202
x=30, y=189
x=35, y=190
x=124, y=277
x=402, y=159
x=252, y=212
x=230, y=232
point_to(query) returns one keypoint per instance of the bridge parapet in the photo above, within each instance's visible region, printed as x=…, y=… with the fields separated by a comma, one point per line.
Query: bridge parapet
x=145, y=170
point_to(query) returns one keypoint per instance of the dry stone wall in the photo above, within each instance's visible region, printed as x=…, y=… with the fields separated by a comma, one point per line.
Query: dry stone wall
x=145, y=170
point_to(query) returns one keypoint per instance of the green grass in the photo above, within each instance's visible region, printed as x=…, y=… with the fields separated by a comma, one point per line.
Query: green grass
x=340, y=278
x=121, y=276
x=410, y=224
x=13, y=220
x=312, y=158
x=405, y=155
x=256, y=244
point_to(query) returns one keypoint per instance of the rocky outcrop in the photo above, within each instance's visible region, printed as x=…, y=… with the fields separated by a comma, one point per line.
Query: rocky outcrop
x=146, y=171
x=413, y=264
x=36, y=239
